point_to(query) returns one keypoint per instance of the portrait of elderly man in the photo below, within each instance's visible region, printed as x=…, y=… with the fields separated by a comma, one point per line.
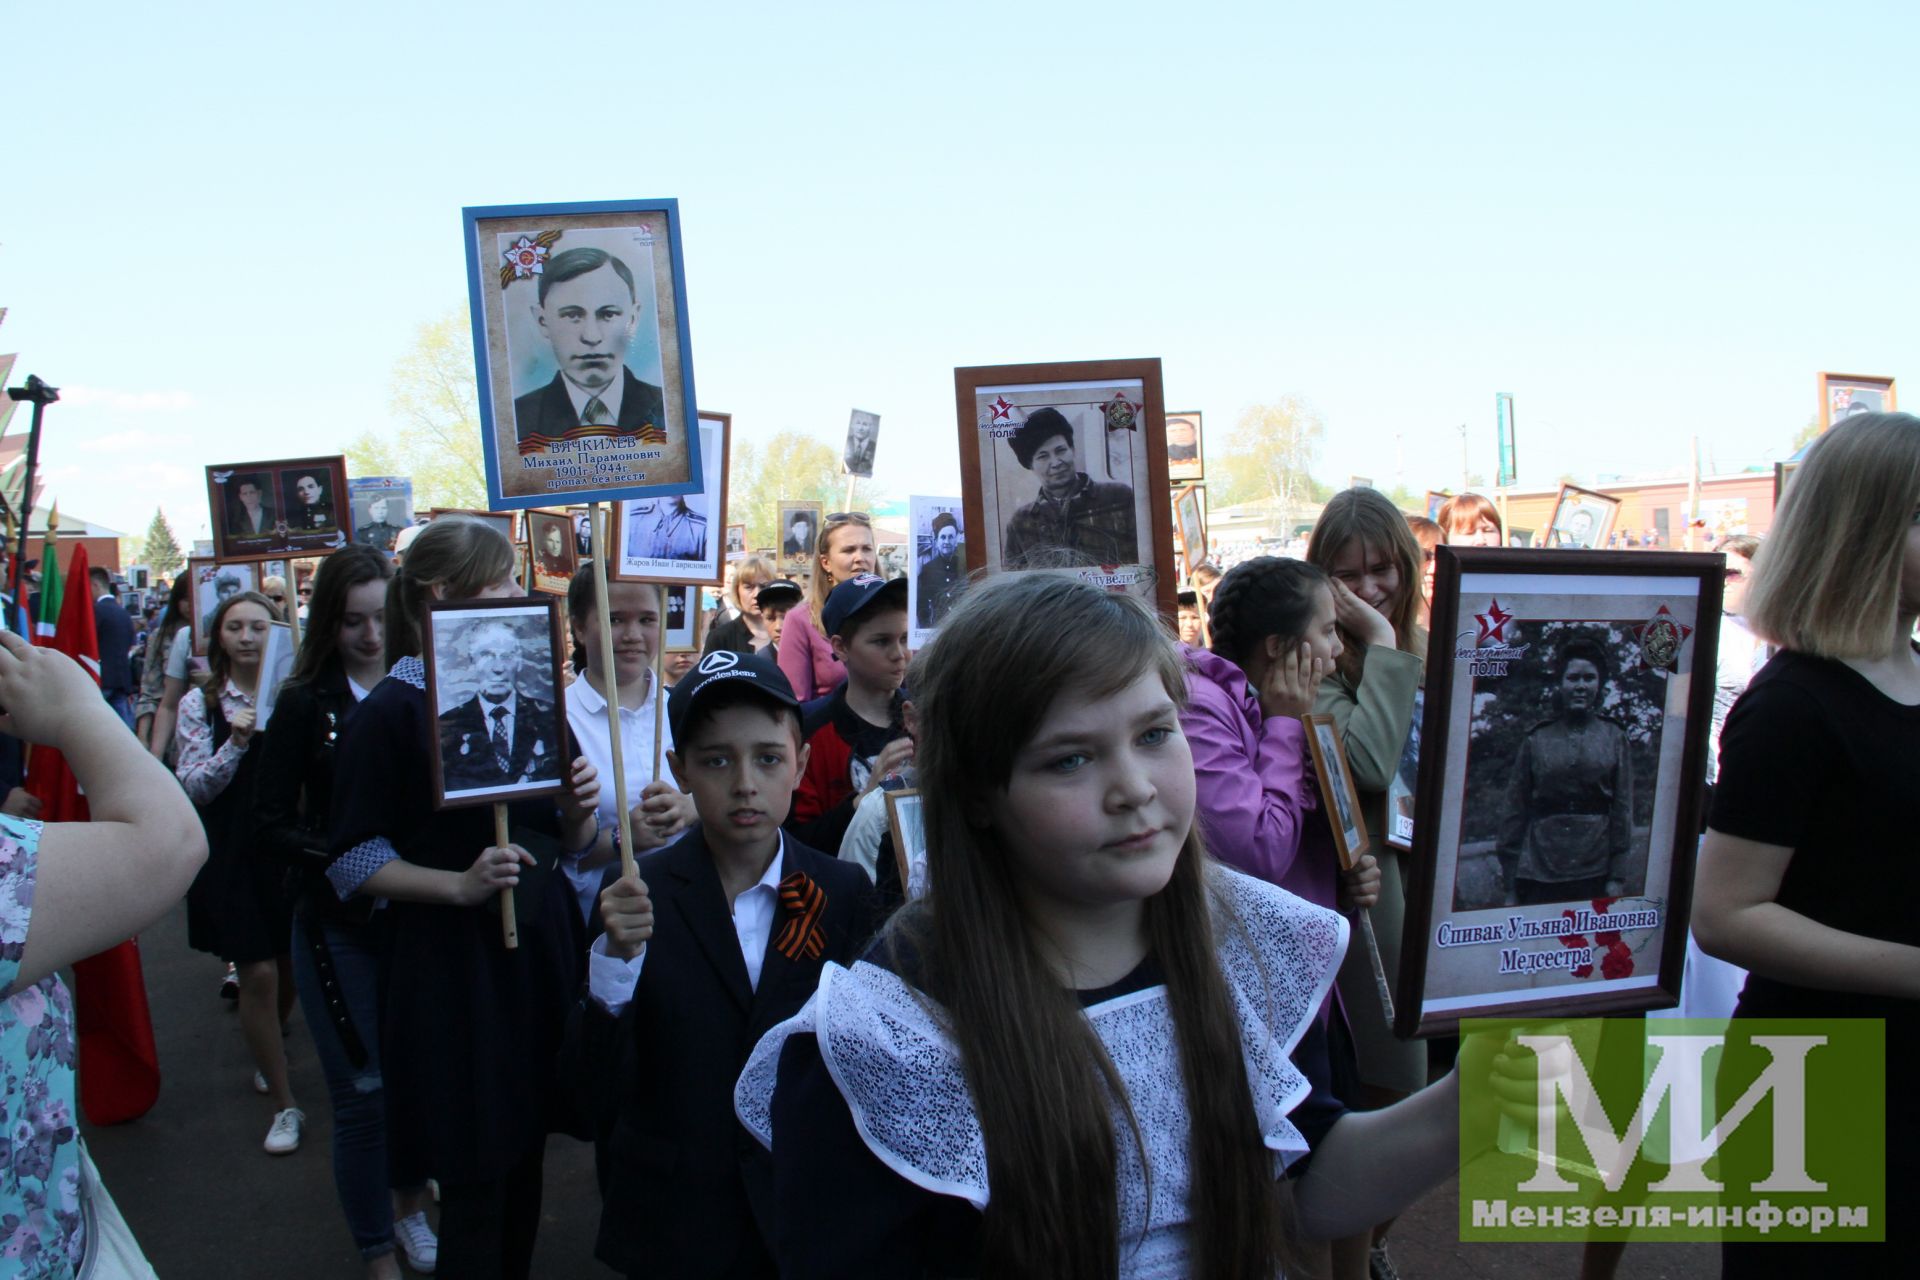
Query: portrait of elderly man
x=378, y=531
x=863, y=430
x=666, y=529
x=943, y=577
x=309, y=506
x=500, y=737
x=226, y=583
x=249, y=514
x=1075, y=519
x=588, y=309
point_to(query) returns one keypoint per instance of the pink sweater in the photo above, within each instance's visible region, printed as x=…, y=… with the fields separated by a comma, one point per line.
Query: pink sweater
x=807, y=659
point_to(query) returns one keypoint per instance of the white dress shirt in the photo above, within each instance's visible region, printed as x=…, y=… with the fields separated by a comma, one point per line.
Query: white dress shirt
x=587, y=717
x=609, y=395
x=611, y=981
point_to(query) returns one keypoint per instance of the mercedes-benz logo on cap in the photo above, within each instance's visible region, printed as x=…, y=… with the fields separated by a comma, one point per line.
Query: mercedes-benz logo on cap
x=718, y=660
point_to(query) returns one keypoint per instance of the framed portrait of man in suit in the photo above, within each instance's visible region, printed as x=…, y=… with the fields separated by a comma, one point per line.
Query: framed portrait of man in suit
x=271, y=510
x=580, y=340
x=495, y=685
x=679, y=537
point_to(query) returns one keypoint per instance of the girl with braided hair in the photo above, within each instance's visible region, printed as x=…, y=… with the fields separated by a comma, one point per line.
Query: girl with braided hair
x=1274, y=640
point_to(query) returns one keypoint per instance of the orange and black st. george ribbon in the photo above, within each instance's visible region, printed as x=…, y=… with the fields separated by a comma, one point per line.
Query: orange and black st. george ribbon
x=803, y=902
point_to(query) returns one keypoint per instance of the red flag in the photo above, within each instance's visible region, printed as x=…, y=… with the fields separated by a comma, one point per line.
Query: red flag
x=119, y=1065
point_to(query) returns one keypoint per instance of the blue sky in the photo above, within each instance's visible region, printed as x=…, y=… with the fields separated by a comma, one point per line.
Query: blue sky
x=221, y=226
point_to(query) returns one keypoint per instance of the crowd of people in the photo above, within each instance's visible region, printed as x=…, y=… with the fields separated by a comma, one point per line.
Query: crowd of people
x=1111, y=1026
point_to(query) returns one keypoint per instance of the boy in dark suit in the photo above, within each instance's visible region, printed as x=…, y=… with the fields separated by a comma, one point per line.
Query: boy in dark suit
x=716, y=939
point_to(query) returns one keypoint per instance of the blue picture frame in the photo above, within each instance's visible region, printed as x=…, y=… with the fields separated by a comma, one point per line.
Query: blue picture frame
x=539, y=451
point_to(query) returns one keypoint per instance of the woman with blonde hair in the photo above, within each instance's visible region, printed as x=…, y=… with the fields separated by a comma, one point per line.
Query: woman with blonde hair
x=1807, y=876
x=1363, y=544
x=806, y=657
x=746, y=631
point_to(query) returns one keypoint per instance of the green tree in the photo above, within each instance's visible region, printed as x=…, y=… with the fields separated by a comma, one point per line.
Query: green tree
x=432, y=391
x=1805, y=436
x=161, y=549
x=792, y=466
x=1268, y=456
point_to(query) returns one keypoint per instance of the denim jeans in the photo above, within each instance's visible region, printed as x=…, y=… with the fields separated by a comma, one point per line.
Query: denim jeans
x=122, y=703
x=361, y=1175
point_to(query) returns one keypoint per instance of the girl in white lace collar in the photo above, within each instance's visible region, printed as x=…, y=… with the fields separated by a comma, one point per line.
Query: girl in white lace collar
x=1075, y=1049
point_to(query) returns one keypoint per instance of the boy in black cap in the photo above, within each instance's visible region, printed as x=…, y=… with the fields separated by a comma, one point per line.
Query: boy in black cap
x=747, y=916
x=854, y=736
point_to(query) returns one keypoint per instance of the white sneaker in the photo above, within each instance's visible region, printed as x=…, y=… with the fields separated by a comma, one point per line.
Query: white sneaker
x=259, y=1083
x=283, y=1138
x=418, y=1245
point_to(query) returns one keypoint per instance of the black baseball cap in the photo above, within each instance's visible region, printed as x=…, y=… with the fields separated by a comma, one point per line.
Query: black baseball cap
x=770, y=592
x=724, y=668
x=855, y=594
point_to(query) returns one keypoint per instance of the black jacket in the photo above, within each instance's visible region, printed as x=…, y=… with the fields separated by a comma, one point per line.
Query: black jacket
x=113, y=627
x=293, y=797
x=689, y=1192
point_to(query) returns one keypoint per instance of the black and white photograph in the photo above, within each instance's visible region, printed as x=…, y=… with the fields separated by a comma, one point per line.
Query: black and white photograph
x=1190, y=523
x=1561, y=756
x=269, y=510
x=939, y=572
x=736, y=542
x=556, y=556
x=1404, y=785
x=891, y=559
x=676, y=538
x=1337, y=791
x=1064, y=467
x=382, y=506
x=212, y=584
x=1186, y=459
x=586, y=377
x=906, y=820
x=863, y=434
x=494, y=682
x=1844, y=394
x=1582, y=519
x=680, y=629
x=797, y=524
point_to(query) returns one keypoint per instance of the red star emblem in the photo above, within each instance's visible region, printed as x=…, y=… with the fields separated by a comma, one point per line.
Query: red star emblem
x=1002, y=410
x=1493, y=624
x=1660, y=639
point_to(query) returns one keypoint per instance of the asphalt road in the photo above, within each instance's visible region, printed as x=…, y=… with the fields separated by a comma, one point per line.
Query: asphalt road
x=208, y=1204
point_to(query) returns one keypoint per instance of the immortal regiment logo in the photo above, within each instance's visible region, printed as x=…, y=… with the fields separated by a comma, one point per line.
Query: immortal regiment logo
x=1490, y=654
x=1682, y=1129
x=1000, y=424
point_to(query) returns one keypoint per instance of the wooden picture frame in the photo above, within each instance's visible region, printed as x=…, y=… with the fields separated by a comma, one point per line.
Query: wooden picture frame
x=382, y=507
x=1844, y=393
x=507, y=522
x=1782, y=472
x=569, y=303
x=797, y=552
x=1186, y=460
x=1582, y=519
x=551, y=567
x=300, y=508
x=1591, y=670
x=1113, y=424
x=209, y=590
x=1339, y=797
x=736, y=542
x=1190, y=526
x=907, y=824
x=676, y=538
x=465, y=763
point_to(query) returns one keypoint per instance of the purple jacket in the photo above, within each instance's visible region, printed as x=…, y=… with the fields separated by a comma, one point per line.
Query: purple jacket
x=806, y=658
x=1254, y=793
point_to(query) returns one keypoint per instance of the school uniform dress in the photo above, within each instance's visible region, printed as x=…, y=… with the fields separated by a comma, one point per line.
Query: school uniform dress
x=471, y=1030
x=587, y=722
x=660, y=1039
x=879, y=1164
x=237, y=907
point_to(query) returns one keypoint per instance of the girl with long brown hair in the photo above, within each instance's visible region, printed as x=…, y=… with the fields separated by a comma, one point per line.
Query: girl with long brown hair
x=470, y=1030
x=1070, y=1058
x=805, y=654
x=1364, y=545
x=236, y=908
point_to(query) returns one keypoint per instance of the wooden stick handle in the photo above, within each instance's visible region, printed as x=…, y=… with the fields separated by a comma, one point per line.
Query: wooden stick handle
x=509, y=927
x=1364, y=918
x=596, y=519
x=660, y=690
